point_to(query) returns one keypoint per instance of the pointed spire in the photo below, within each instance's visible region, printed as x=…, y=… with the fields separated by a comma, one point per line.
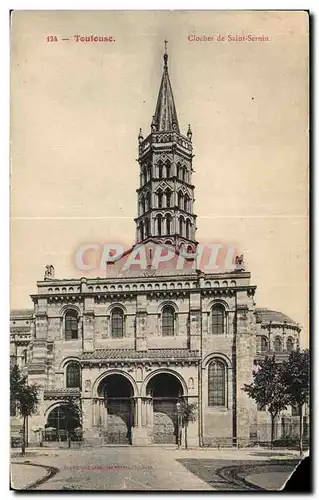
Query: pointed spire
x=189, y=133
x=165, y=118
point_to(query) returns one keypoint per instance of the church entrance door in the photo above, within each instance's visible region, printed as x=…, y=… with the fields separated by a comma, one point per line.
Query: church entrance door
x=119, y=409
x=165, y=390
x=119, y=420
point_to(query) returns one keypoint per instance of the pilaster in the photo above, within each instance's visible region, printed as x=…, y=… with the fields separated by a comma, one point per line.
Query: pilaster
x=245, y=353
x=195, y=320
x=88, y=325
x=141, y=323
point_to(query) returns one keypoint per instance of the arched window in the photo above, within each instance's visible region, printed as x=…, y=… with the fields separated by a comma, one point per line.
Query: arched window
x=178, y=167
x=168, y=198
x=168, y=168
x=148, y=198
x=146, y=228
x=149, y=169
x=117, y=323
x=168, y=320
x=144, y=176
x=159, y=225
x=73, y=375
x=168, y=224
x=71, y=325
x=290, y=344
x=184, y=173
x=278, y=344
x=263, y=344
x=181, y=226
x=188, y=225
x=159, y=198
x=143, y=204
x=142, y=231
x=217, y=383
x=218, y=319
x=180, y=200
x=160, y=169
x=186, y=203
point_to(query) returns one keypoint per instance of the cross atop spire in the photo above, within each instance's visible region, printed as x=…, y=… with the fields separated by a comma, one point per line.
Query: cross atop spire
x=165, y=54
x=165, y=118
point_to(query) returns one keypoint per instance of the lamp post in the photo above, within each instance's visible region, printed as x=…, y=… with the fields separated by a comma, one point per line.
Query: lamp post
x=179, y=422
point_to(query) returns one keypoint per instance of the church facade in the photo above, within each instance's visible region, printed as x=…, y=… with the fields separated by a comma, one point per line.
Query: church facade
x=134, y=345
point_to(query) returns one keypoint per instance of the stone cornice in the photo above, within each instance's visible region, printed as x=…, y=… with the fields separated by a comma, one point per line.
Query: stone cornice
x=277, y=324
x=61, y=393
x=165, y=279
x=131, y=364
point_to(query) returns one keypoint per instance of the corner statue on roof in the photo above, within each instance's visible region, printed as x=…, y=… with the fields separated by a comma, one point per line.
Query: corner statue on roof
x=49, y=272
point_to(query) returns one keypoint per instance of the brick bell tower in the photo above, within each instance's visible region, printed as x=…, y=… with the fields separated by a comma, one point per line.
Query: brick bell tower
x=166, y=193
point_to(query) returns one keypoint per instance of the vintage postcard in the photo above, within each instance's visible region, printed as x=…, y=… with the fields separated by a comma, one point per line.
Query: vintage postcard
x=159, y=249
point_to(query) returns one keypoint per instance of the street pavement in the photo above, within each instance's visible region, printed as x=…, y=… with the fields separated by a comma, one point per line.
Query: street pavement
x=24, y=475
x=242, y=475
x=156, y=468
x=273, y=481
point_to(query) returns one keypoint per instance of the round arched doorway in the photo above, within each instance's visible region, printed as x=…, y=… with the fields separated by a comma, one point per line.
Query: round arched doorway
x=60, y=421
x=118, y=403
x=166, y=390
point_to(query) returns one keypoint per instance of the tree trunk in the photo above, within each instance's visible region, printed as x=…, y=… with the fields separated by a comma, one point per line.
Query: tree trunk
x=69, y=439
x=23, y=437
x=300, y=430
x=186, y=443
x=273, y=417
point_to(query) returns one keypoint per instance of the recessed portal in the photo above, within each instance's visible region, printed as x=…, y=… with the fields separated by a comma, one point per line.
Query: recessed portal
x=116, y=420
x=165, y=390
x=59, y=422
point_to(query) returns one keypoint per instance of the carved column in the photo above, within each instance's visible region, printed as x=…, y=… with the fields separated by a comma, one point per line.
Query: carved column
x=140, y=435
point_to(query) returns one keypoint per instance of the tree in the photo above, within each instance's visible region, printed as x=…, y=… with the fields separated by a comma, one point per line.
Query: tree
x=189, y=414
x=73, y=416
x=296, y=373
x=24, y=398
x=16, y=383
x=268, y=389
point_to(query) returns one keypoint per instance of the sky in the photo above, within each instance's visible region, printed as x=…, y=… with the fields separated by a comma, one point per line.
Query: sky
x=76, y=110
